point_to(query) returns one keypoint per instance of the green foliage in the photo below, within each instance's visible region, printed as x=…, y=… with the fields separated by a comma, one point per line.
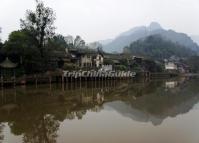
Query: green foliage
x=2, y=56
x=21, y=48
x=108, y=62
x=18, y=42
x=71, y=67
x=40, y=24
x=1, y=48
x=152, y=66
x=0, y=37
x=193, y=63
x=157, y=48
x=147, y=65
x=124, y=62
x=120, y=67
x=57, y=43
x=34, y=46
x=76, y=43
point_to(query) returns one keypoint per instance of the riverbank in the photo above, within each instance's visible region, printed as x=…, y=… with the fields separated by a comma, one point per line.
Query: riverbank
x=68, y=77
x=64, y=77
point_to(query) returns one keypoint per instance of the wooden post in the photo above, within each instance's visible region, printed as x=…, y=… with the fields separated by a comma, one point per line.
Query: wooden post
x=2, y=94
x=15, y=97
x=62, y=81
x=80, y=83
x=50, y=81
x=71, y=78
x=14, y=79
x=95, y=82
x=2, y=81
x=36, y=80
x=75, y=82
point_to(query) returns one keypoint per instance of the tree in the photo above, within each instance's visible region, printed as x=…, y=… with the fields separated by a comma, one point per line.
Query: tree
x=0, y=33
x=193, y=63
x=156, y=47
x=2, y=56
x=43, y=130
x=1, y=44
x=40, y=24
x=79, y=42
x=76, y=43
x=152, y=66
x=57, y=43
x=18, y=42
x=21, y=48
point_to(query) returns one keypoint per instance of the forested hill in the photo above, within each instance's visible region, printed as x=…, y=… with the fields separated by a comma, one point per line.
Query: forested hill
x=134, y=34
x=157, y=48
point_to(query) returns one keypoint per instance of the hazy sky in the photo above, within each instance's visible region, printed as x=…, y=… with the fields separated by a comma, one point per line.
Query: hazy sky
x=102, y=19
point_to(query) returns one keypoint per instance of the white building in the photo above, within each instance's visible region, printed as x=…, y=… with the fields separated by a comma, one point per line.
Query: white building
x=170, y=66
x=92, y=60
x=107, y=68
x=99, y=60
x=86, y=61
x=171, y=84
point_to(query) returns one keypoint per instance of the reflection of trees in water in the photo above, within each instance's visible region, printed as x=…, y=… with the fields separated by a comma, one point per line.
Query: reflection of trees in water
x=156, y=103
x=43, y=130
x=1, y=132
x=133, y=91
x=73, y=115
x=39, y=114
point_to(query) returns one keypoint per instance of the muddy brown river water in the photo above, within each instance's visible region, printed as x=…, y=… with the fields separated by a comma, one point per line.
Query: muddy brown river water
x=157, y=111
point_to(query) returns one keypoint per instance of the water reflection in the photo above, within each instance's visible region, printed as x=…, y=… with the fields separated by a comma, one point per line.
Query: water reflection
x=36, y=112
x=1, y=132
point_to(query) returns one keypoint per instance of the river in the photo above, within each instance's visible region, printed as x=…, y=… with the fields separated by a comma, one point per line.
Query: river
x=156, y=111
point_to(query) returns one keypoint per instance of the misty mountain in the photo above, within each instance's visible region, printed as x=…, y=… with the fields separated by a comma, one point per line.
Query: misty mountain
x=195, y=38
x=126, y=38
x=157, y=47
x=105, y=42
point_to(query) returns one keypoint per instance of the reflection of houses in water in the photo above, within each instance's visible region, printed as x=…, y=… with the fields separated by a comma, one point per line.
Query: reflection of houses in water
x=85, y=96
x=1, y=132
x=97, y=98
x=74, y=103
x=38, y=109
x=100, y=98
x=171, y=84
x=86, y=99
x=177, y=82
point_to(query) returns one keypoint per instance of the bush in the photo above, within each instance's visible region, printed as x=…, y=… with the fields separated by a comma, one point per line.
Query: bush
x=121, y=67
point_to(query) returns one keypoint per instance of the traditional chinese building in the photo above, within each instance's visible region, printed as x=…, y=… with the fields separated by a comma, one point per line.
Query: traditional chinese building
x=85, y=58
x=7, y=69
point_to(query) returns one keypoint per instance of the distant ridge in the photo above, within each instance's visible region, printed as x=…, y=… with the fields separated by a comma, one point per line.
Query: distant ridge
x=134, y=34
x=156, y=47
x=195, y=38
